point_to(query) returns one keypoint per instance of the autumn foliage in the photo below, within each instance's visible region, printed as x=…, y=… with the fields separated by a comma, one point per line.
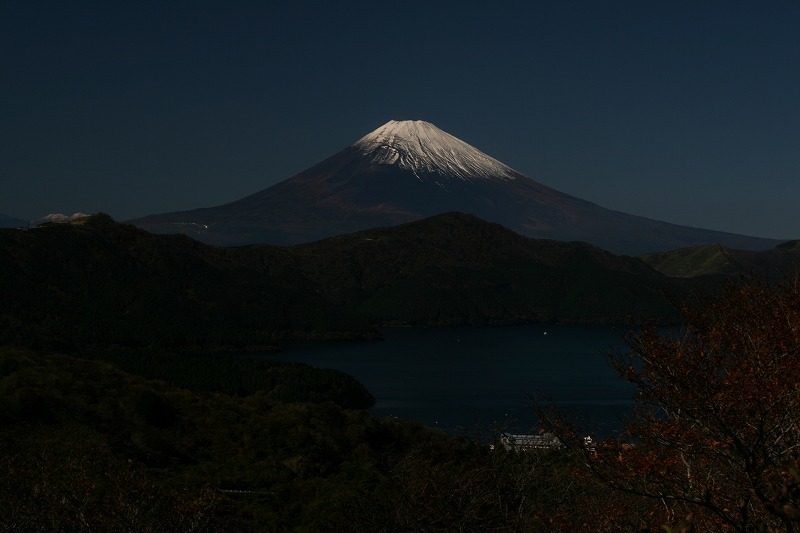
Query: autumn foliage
x=714, y=441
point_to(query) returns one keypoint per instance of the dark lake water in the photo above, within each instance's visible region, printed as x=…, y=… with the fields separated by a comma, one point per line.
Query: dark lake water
x=481, y=379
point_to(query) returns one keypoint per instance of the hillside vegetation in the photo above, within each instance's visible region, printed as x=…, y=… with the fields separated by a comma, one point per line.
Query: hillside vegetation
x=70, y=285
x=715, y=260
x=458, y=269
x=121, y=410
x=99, y=283
x=86, y=447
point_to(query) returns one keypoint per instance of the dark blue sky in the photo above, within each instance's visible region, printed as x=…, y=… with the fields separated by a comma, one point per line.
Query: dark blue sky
x=684, y=111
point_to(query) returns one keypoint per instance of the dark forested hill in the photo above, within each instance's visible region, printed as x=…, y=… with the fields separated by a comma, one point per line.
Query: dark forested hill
x=456, y=268
x=99, y=282
x=86, y=447
x=715, y=260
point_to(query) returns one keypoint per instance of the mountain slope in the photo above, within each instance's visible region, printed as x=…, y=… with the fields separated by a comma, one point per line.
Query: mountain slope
x=409, y=170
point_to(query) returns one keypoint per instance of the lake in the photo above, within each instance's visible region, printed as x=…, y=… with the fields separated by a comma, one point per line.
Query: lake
x=481, y=379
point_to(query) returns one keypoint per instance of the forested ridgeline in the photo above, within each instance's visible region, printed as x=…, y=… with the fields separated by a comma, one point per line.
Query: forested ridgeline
x=458, y=269
x=714, y=260
x=86, y=446
x=67, y=286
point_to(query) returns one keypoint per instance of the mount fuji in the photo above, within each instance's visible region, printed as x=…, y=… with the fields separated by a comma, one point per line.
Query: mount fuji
x=409, y=170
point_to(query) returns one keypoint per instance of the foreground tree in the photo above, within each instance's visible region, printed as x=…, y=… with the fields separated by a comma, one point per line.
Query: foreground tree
x=715, y=435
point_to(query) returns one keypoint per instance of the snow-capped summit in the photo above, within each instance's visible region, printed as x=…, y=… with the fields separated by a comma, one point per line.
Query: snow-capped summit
x=408, y=170
x=423, y=148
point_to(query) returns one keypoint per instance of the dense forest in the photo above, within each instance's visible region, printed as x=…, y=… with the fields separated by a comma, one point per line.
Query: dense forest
x=126, y=403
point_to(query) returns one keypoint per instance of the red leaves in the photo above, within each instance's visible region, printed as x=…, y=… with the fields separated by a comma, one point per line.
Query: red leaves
x=719, y=411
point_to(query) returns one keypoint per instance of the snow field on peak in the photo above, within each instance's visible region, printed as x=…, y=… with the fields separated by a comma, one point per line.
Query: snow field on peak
x=421, y=147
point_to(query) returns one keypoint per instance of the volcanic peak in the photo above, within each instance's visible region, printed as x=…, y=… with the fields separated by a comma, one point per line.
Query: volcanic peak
x=423, y=148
